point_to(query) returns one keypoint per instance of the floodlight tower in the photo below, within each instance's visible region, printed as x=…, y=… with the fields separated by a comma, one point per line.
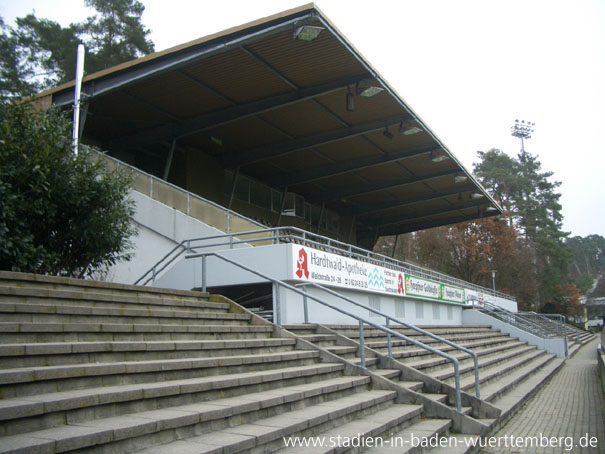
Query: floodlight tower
x=522, y=130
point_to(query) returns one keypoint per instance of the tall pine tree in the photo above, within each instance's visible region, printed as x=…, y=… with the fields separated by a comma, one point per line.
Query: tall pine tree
x=40, y=53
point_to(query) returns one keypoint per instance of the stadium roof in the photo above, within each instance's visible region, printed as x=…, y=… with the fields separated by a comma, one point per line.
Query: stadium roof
x=305, y=113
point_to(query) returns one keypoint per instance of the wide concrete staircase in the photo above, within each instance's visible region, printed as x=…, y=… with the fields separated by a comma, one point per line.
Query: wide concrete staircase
x=100, y=368
x=576, y=338
x=509, y=370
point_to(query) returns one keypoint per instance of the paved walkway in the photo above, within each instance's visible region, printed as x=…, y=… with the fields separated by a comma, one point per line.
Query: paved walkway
x=570, y=408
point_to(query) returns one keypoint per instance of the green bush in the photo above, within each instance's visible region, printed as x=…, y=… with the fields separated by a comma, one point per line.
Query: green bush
x=59, y=214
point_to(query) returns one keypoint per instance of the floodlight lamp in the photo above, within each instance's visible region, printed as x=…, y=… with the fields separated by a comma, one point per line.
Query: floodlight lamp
x=370, y=91
x=460, y=178
x=307, y=33
x=411, y=131
x=387, y=133
x=436, y=157
x=490, y=208
x=477, y=195
x=350, y=101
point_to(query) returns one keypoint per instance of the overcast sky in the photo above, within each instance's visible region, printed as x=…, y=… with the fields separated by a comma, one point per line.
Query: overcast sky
x=468, y=68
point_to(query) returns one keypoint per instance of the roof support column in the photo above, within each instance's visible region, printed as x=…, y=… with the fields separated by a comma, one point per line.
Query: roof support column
x=281, y=208
x=321, y=215
x=233, y=186
x=169, y=160
x=394, y=246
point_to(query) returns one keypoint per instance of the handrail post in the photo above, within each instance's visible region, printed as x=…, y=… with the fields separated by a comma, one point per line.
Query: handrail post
x=362, y=348
x=305, y=305
x=389, y=339
x=204, y=260
x=477, y=390
x=277, y=304
x=457, y=377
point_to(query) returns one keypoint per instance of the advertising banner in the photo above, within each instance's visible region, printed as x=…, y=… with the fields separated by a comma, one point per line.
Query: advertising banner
x=453, y=294
x=328, y=269
x=312, y=265
x=472, y=298
x=415, y=286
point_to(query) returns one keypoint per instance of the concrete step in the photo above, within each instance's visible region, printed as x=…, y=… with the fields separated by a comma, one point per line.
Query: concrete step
x=105, y=297
x=321, y=340
x=412, y=385
x=407, y=350
x=343, y=351
x=511, y=400
x=38, y=380
x=301, y=329
x=499, y=372
x=435, y=362
x=497, y=388
x=413, y=439
x=73, y=407
x=374, y=335
x=48, y=313
x=446, y=373
x=9, y=279
x=389, y=373
x=373, y=428
x=457, y=444
x=13, y=333
x=58, y=354
x=123, y=434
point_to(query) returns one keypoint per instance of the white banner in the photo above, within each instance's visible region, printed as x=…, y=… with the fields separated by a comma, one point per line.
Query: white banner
x=453, y=294
x=421, y=287
x=312, y=265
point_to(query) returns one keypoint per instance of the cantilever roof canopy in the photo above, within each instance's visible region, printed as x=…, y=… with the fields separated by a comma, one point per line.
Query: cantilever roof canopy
x=297, y=112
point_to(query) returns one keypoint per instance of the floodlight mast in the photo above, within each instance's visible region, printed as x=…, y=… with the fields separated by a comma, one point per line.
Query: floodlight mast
x=522, y=130
x=77, y=97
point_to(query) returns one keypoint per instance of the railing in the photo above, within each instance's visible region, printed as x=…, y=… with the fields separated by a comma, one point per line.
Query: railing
x=277, y=284
x=152, y=186
x=388, y=319
x=555, y=325
x=544, y=326
x=296, y=235
x=514, y=319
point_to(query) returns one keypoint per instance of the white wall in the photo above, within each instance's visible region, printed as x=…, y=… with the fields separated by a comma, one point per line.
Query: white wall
x=558, y=346
x=161, y=228
x=416, y=312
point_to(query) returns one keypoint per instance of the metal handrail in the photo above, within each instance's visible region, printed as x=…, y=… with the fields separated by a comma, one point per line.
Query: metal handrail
x=153, y=178
x=517, y=320
x=557, y=327
x=277, y=283
x=335, y=246
x=398, y=321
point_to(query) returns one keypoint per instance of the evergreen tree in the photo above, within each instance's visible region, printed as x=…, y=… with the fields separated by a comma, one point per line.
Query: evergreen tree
x=59, y=214
x=115, y=34
x=14, y=71
x=532, y=201
x=40, y=53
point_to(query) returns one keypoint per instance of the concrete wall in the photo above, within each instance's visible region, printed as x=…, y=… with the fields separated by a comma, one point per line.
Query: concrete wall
x=475, y=317
x=161, y=228
x=412, y=311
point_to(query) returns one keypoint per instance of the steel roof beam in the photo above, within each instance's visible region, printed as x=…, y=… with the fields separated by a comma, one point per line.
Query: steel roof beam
x=230, y=114
x=407, y=228
x=361, y=210
x=242, y=158
x=167, y=61
x=294, y=178
x=380, y=186
x=386, y=220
